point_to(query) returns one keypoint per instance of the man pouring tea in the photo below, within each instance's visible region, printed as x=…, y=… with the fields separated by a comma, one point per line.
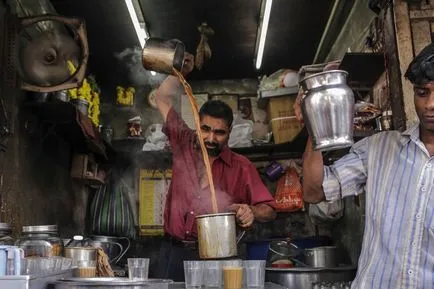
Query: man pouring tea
x=237, y=183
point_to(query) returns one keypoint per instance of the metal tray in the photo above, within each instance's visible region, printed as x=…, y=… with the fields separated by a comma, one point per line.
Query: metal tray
x=113, y=283
x=33, y=281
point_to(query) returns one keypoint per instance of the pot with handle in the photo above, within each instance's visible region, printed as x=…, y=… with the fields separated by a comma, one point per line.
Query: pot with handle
x=111, y=246
x=80, y=254
x=217, y=235
x=321, y=257
x=163, y=55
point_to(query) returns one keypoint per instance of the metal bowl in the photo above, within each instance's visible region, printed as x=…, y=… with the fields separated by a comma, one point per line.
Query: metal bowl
x=294, y=278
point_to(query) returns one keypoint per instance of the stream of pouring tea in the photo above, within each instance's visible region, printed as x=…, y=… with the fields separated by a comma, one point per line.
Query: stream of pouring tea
x=195, y=109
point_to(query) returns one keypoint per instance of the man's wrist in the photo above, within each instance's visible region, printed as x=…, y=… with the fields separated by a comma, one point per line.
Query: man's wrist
x=254, y=209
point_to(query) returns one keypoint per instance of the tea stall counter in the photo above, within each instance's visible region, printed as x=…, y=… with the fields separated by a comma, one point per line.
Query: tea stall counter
x=33, y=281
x=268, y=285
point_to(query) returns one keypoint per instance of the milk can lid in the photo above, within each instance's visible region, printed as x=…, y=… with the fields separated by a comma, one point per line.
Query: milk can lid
x=5, y=226
x=40, y=229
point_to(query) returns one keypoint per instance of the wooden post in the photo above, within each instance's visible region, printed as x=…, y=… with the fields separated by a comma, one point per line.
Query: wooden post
x=405, y=54
x=394, y=71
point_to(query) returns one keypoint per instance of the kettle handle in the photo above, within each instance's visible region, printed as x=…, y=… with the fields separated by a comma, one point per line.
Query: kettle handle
x=240, y=236
x=121, y=249
x=122, y=253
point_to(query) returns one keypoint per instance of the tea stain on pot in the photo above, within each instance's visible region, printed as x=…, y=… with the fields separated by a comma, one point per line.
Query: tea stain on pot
x=216, y=235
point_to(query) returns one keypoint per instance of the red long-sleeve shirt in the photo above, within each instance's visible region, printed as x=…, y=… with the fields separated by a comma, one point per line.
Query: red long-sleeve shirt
x=236, y=180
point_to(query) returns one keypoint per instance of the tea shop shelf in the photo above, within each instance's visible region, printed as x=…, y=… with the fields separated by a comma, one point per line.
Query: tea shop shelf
x=128, y=144
x=130, y=150
x=265, y=95
x=70, y=124
x=359, y=134
x=268, y=152
x=91, y=181
x=363, y=68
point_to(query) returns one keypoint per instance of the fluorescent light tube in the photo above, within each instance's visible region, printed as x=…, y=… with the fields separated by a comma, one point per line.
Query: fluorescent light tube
x=141, y=33
x=263, y=34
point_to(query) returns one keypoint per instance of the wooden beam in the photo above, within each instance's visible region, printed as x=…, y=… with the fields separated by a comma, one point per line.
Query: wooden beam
x=405, y=54
x=427, y=14
x=393, y=72
x=421, y=31
x=432, y=29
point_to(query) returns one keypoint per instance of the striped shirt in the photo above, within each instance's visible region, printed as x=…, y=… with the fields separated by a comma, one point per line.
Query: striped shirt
x=397, y=174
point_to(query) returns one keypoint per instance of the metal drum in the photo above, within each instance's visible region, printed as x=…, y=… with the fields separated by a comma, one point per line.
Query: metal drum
x=296, y=278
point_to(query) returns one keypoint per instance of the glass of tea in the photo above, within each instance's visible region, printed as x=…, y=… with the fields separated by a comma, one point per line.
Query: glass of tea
x=233, y=274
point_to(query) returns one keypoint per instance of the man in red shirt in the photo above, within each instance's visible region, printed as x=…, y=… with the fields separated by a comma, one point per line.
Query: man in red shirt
x=236, y=181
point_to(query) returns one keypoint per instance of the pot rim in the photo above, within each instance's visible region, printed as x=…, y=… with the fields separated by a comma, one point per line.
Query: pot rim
x=320, y=248
x=311, y=269
x=40, y=229
x=81, y=248
x=215, y=215
x=324, y=72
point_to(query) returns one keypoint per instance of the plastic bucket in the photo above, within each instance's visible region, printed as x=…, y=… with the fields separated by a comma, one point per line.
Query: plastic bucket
x=257, y=250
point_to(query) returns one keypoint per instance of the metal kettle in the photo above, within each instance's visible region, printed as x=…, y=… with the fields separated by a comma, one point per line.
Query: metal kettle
x=328, y=109
x=111, y=245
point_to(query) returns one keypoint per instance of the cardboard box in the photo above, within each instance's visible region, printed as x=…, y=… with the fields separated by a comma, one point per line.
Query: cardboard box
x=284, y=125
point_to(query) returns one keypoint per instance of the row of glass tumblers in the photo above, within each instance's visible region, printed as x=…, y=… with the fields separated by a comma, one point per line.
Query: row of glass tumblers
x=228, y=274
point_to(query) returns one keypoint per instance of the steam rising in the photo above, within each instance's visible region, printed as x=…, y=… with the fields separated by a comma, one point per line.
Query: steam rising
x=131, y=59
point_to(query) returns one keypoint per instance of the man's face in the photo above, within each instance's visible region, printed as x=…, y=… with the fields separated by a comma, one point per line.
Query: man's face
x=424, y=104
x=215, y=133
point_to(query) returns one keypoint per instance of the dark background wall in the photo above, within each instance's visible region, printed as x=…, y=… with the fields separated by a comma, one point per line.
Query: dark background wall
x=35, y=183
x=36, y=187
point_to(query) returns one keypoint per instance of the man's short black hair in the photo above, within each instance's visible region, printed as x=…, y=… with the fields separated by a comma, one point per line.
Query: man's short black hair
x=421, y=69
x=217, y=109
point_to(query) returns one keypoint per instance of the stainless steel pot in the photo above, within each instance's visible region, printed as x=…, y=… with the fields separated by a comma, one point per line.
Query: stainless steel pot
x=82, y=105
x=217, y=235
x=295, y=278
x=80, y=254
x=320, y=257
x=61, y=95
x=163, y=55
x=328, y=109
x=111, y=246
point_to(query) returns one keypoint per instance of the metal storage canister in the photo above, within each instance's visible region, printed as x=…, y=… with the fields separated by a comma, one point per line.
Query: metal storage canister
x=40, y=241
x=5, y=234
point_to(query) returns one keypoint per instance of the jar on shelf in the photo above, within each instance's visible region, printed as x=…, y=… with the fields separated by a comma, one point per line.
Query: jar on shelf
x=40, y=241
x=6, y=234
x=386, y=120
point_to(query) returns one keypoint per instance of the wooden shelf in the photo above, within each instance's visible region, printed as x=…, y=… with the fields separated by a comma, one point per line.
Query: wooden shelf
x=268, y=152
x=128, y=144
x=132, y=148
x=91, y=181
x=265, y=95
x=359, y=134
x=363, y=69
x=71, y=125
